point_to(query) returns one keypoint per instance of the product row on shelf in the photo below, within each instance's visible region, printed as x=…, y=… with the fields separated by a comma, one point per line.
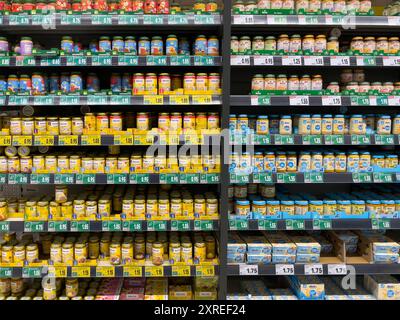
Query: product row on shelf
x=199, y=288
x=369, y=287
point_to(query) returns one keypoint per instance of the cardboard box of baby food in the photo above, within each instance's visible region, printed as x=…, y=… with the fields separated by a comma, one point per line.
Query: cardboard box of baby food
x=280, y=243
x=306, y=245
x=257, y=244
x=383, y=287
x=283, y=258
x=307, y=258
x=259, y=258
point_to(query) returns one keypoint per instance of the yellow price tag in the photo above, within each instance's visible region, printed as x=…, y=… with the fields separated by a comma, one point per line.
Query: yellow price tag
x=80, y=272
x=205, y=271
x=179, y=99
x=44, y=140
x=180, y=271
x=153, y=99
x=58, y=272
x=67, y=140
x=202, y=99
x=123, y=139
x=130, y=271
x=105, y=271
x=91, y=140
x=156, y=271
x=5, y=140
x=22, y=140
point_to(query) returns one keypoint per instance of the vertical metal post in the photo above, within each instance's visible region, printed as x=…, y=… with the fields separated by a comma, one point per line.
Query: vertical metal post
x=226, y=86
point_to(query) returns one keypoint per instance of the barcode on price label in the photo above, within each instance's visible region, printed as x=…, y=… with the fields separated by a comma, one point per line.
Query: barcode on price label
x=391, y=61
x=243, y=19
x=313, y=269
x=331, y=101
x=248, y=270
x=336, y=269
x=340, y=61
x=263, y=60
x=291, y=61
x=284, y=269
x=299, y=101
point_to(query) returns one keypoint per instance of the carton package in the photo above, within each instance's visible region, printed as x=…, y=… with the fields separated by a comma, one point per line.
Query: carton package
x=283, y=258
x=257, y=244
x=236, y=257
x=259, y=258
x=307, y=287
x=281, y=244
x=307, y=258
x=383, y=287
x=236, y=244
x=306, y=245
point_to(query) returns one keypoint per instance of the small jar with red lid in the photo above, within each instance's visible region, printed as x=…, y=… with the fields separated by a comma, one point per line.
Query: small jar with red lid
x=100, y=5
x=28, y=5
x=17, y=6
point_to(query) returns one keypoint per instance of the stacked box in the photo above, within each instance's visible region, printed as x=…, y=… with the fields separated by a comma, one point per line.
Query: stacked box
x=258, y=249
x=283, y=249
x=308, y=250
x=350, y=239
x=383, y=287
x=379, y=248
x=237, y=248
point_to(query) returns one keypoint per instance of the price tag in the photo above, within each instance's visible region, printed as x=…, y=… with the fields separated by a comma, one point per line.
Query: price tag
x=291, y=61
x=262, y=177
x=322, y=224
x=67, y=140
x=15, y=20
x=131, y=271
x=32, y=272
x=391, y=61
x=98, y=19
x=22, y=140
x=142, y=178
x=64, y=178
x=169, y=178
x=57, y=226
x=5, y=141
x=44, y=141
x=393, y=20
x=80, y=272
x=34, y=226
x=267, y=224
x=69, y=100
x=282, y=139
x=382, y=177
x=43, y=101
x=238, y=224
x=86, y=178
x=260, y=100
x=394, y=100
x=4, y=61
x=120, y=100
x=97, y=100
x=18, y=100
x=57, y=272
x=240, y=60
x=243, y=19
x=386, y=139
x=202, y=99
x=313, y=269
x=123, y=139
x=284, y=269
x=177, y=19
x=313, y=177
x=295, y=224
x=248, y=270
x=3, y=178
x=4, y=226
x=312, y=139
x=299, y=100
x=70, y=19
x=5, y=272
x=331, y=101
x=156, y=60
x=156, y=225
x=101, y=61
x=127, y=19
x=263, y=60
x=17, y=178
x=366, y=61
x=112, y=225
x=153, y=100
x=153, y=19
x=313, y=61
x=76, y=61
x=180, y=271
x=337, y=269
x=205, y=271
x=91, y=140
x=277, y=19
x=128, y=61
x=105, y=271
x=180, y=225
x=80, y=226
x=210, y=178
x=362, y=177
x=286, y=177
x=154, y=271
x=40, y=178
x=179, y=99
x=357, y=139
x=203, y=225
x=132, y=226
x=203, y=61
x=179, y=60
x=340, y=61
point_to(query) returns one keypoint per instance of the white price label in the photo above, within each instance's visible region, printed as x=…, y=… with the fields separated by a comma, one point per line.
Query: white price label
x=313, y=269
x=331, y=101
x=299, y=100
x=313, y=61
x=393, y=21
x=240, y=60
x=248, y=270
x=391, y=61
x=337, y=269
x=372, y=101
x=340, y=61
x=284, y=269
x=254, y=100
x=291, y=61
x=263, y=60
x=394, y=100
x=243, y=19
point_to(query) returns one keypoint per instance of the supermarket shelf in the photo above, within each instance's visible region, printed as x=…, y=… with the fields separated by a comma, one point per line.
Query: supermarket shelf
x=337, y=268
x=113, y=100
x=317, y=177
x=315, y=61
x=86, y=22
x=102, y=178
x=107, y=61
x=314, y=224
x=315, y=140
x=316, y=21
x=123, y=139
x=314, y=100
x=110, y=225
x=109, y=271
